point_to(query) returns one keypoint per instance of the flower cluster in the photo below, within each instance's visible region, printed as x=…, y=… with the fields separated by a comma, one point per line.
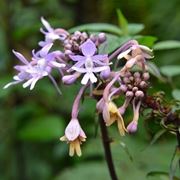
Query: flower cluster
x=79, y=58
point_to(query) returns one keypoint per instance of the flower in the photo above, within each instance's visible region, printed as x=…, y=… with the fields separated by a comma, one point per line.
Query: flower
x=40, y=66
x=139, y=54
x=89, y=63
x=111, y=114
x=52, y=34
x=74, y=135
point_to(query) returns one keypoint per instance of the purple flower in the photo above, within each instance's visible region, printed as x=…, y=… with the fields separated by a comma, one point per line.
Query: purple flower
x=89, y=63
x=40, y=66
x=52, y=34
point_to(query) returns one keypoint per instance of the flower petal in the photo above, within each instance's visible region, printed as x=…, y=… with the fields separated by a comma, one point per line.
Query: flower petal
x=20, y=57
x=88, y=48
x=92, y=77
x=81, y=70
x=123, y=54
x=100, y=57
x=85, y=79
x=99, y=69
x=44, y=51
x=46, y=25
x=77, y=57
x=73, y=129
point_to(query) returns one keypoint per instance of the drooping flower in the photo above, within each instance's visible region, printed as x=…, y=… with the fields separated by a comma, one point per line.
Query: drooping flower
x=89, y=63
x=111, y=114
x=74, y=135
x=136, y=54
x=52, y=34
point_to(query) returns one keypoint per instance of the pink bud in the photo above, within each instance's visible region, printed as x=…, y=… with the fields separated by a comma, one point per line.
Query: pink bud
x=69, y=79
x=132, y=127
x=105, y=74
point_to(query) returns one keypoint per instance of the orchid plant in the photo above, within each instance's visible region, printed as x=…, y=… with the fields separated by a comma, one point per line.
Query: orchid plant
x=78, y=58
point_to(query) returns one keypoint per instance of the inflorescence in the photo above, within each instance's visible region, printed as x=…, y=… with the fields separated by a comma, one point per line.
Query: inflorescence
x=79, y=58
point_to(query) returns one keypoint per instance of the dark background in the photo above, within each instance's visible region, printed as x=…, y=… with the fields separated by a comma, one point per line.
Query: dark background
x=31, y=122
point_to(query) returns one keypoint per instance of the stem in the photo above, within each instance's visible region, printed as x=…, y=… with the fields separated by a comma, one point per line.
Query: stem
x=178, y=141
x=107, y=150
x=122, y=48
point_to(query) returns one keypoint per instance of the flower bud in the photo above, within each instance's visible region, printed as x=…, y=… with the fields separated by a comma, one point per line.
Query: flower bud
x=68, y=52
x=143, y=84
x=132, y=127
x=139, y=94
x=69, y=79
x=123, y=88
x=137, y=75
x=129, y=86
x=135, y=89
x=126, y=80
x=131, y=78
x=101, y=37
x=93, y=37
x=129, y=94
x=146, y=76
x=105, y=74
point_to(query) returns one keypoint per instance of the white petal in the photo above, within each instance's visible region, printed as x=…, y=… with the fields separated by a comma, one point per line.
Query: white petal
x=81, y=70
x=33, y=83
x=85, y=79
x=92, y=77
x=123, y=54
x=10, y=84
x=99, y=69
x=46, y=25
x=27, y=83
x=56, y=64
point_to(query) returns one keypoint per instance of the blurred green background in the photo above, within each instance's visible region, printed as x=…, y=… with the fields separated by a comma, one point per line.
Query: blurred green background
x=31, y=122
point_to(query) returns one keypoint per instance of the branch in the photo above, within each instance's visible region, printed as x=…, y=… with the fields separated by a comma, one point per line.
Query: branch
x=107, y=150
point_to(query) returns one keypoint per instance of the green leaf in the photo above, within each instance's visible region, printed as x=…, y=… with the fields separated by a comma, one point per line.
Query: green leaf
x=174, y=163
x=123, y=23
x=170, y=70
x=146, y=40
x=134, y=28
x=160, y=175
x=112, y=43
x=157, y=136
x=154, y=70
x=97, y=27
x=176, y=94
x=125, y=148
x=42, y=129
x=165, y=45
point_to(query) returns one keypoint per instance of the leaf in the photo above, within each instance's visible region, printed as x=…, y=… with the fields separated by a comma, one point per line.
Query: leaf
x=170, y=70
x=160, y=175
x=134, y=28
x=125, y=148
x=97, y=27
x=176, y=94
x=154, y=70
x=146, y=40
x=174, y=163
x=112, y=43
x=165, y=45
x=157, y=136
x=123, y=23
x=42, y=129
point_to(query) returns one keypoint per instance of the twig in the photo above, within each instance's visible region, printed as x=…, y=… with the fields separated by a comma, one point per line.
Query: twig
x=107, y=150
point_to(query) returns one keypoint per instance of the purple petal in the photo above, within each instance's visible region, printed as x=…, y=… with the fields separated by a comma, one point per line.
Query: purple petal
x=44, y=51
x=46, y=25
x=20, y=57
x=77, y=58
x=100, y=57
x=73, y=129
x=81, y=70
x=99, y=69
x=88, y=48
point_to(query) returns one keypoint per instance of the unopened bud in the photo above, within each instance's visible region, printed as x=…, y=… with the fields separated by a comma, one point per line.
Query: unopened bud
x=131, y=78
x=129, y=94
x=129, y=86
x=137, y=75
x=143, y=84
x=69, y=79
x=132, y=127
x=68, y=52
x=146, y=76
x=123, y=88
x=93, y=37
x=105, y=74
x=135, y=89
x=101, y=37
x=139, y=94
x=126, y=80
